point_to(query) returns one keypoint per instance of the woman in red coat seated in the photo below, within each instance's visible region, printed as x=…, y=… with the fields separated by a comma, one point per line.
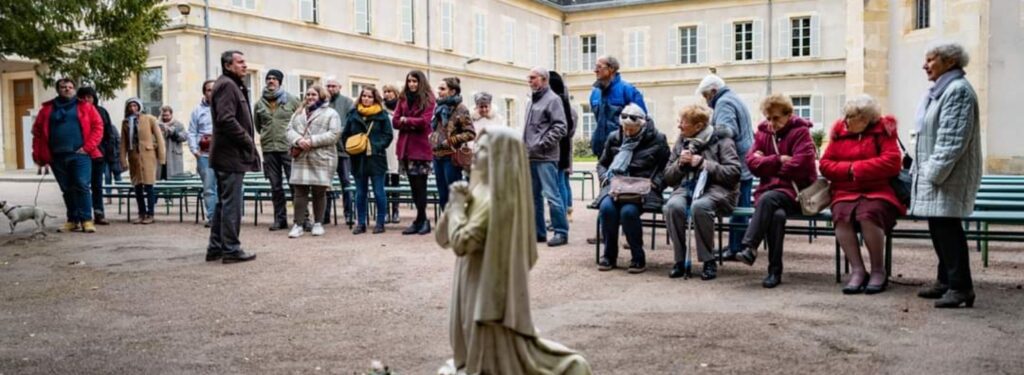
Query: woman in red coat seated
x=862, y=157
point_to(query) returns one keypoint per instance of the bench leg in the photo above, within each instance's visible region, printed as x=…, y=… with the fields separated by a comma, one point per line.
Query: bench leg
x=839, y=278
x=984, y=245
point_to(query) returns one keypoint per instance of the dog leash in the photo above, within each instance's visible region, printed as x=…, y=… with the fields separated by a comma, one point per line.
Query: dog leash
x=39, y=186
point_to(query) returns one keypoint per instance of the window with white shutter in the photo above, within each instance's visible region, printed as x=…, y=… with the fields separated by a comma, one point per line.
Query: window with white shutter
x=688, y=45
x=556, y=53
x=246, y=4
x=408, y=21
x=480, y=34
x=305, y=82
x=533, y=45
x=636, y=45
x=800, y=36
x=362, y=23
x=510, y=40
x=802, y=107
x=588, y=52
x=587, y=120
x=447, y=25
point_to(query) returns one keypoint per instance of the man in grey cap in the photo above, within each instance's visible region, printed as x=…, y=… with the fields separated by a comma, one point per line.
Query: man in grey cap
x=273, y=113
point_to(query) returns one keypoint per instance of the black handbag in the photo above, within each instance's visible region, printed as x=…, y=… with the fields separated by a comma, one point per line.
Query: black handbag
x=902, y=183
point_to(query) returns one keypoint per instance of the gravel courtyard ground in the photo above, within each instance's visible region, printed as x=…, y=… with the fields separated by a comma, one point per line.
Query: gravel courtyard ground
x=140, y=300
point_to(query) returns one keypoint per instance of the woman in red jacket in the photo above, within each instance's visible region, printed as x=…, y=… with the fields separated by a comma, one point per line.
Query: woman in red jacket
x=783, y=158
x=861, y=159
x=412, y=120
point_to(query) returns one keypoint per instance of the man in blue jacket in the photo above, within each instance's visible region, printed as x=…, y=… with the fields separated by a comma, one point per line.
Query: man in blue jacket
x=731, y=113
x=610, y=95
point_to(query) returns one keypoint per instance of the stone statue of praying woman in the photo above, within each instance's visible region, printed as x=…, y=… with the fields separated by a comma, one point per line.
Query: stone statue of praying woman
x=489, y=225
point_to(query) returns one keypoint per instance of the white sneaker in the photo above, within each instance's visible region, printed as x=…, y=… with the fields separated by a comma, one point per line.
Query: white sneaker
x=318, y=229
x=296, y=231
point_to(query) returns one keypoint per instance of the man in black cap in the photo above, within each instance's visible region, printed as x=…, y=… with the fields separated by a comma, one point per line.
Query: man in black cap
x=273, y=113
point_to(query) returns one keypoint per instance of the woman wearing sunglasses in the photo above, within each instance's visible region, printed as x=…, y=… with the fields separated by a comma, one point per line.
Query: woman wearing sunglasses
x=636, y=150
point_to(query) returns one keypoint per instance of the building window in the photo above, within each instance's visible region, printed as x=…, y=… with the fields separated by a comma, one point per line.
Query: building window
x=510, y=112
x=246, y=4
x=588, y=121
x=688, y=45
x=408, y=22
x=556, y=41
x=744, y=40
x=636, y=46
x=480, y=34
x=308, y=10
x=802, y=107
x=801, y=37
x=363, y=16
x=588, y=52
x=447, y=25
x=510, y=40
x=305, y=83
x=922, y=13
x=534, y=43
x=151, y=90
x=357, y=89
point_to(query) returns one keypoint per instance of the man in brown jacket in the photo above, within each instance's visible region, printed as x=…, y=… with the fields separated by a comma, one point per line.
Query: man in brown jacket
x=232, y=154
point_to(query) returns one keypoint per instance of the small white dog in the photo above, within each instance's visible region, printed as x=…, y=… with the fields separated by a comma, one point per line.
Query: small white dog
x=17, y=214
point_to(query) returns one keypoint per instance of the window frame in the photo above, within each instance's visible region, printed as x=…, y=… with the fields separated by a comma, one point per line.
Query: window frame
x=407, y=17
x=244, y=4
x=922, y=14
x=447, y=25
x=315, y=5
x=685, y=48
x=800, y=38
x=305, y=81
x=587, y=120
x=588, y=59
x=366, y=17
x=798, y=109
x=480, y=34
x=743, y=48
x=162, y=89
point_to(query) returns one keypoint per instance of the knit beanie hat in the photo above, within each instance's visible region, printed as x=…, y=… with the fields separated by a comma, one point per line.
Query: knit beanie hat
x=276, y=74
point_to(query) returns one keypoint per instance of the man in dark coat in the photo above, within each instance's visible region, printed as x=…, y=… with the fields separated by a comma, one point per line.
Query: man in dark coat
x=341, y=104
x=232, y=154
x=109, y=147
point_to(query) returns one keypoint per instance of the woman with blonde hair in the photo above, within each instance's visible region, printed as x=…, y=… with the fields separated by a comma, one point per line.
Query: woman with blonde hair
x=312, y=133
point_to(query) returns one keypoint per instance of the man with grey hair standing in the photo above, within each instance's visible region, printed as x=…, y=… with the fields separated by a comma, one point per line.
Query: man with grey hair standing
x=343, y=105
x=545, y=126
x=730, y=113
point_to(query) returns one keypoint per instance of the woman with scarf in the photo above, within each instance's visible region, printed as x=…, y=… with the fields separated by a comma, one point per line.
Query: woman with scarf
x=489, y=226
x=412, y=120
x=389, y=94
x=947, y=170
x=174, y=135
x=370, y=118
x=313, y=133
x=637, y=149
x=783, y=158
x=452, y=129
x=143, y=151
x=704, y=169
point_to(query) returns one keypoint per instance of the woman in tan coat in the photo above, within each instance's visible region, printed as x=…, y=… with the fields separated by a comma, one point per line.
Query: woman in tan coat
x=142, y=150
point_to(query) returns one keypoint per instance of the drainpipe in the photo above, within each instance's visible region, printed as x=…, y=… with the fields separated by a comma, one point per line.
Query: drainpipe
x=428, y=40
x=206, y=37
x=771, y=22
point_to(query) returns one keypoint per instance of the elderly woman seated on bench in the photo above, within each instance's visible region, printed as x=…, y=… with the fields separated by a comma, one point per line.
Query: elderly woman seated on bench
x=862, y=156
x=636, y=152
x=783, y=158
x=704, y=168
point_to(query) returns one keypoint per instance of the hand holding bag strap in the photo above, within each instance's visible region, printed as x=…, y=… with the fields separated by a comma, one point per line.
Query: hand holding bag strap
x=815, y=197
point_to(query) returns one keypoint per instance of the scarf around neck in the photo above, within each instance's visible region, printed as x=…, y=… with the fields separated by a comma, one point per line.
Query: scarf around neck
x=368, y=111
x=444, y=109
x=279, y=96
x=935, y=92
x=314, y=107
x=391, y=104
x=620, y=164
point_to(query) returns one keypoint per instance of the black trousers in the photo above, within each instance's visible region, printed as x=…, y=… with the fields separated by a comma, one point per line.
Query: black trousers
x=418, y=185
x=950, y=244
x=769, y=222
x=277, y=167
x=344, y=170
x=227, y=217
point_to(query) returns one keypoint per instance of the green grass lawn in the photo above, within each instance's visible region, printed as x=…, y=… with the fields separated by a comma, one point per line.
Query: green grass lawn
x=585, y=158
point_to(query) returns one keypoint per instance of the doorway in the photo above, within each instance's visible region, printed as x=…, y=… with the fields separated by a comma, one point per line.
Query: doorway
x=24, y=100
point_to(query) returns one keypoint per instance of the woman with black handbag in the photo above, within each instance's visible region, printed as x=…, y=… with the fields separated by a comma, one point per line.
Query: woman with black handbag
x=860, y=162
x=632, y=169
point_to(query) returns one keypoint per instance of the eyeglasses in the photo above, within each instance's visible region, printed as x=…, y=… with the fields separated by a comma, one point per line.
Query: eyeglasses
x=633, y=118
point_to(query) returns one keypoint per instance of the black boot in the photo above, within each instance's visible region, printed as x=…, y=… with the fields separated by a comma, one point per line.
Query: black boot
x=412, y=229
x=935, y=291
x=747, y=256
x=679, y=270
x=772, y=280
x=424, y=228
x=955, y=298
x=710, y=270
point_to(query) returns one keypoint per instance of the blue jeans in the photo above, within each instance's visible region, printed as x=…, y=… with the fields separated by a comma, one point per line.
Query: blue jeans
x=209, y=178
x=98, y=170
x=544, y=176
x=73, y=172
x=564, y=189
x=744, y=200
x=446, y=173
x=145, y=198
x=380, y=198
x=612, y=215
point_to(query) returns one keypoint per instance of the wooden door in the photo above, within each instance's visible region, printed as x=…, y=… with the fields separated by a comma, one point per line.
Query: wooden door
x=24, y=100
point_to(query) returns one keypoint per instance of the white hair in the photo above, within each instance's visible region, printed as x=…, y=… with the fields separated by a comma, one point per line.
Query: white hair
x=330, y=79
x=949, y=52
x=862, y=106
x=541, y=71
x=633, y=110
x=710, y=82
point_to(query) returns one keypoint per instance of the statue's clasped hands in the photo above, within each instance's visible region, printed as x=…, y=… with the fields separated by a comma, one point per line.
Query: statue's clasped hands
x=458, y=192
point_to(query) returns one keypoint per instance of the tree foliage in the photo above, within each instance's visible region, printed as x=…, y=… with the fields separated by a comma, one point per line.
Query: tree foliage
x=102, y=42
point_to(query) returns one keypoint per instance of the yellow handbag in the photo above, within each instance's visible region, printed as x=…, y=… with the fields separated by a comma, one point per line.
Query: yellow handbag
x=359, y=143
